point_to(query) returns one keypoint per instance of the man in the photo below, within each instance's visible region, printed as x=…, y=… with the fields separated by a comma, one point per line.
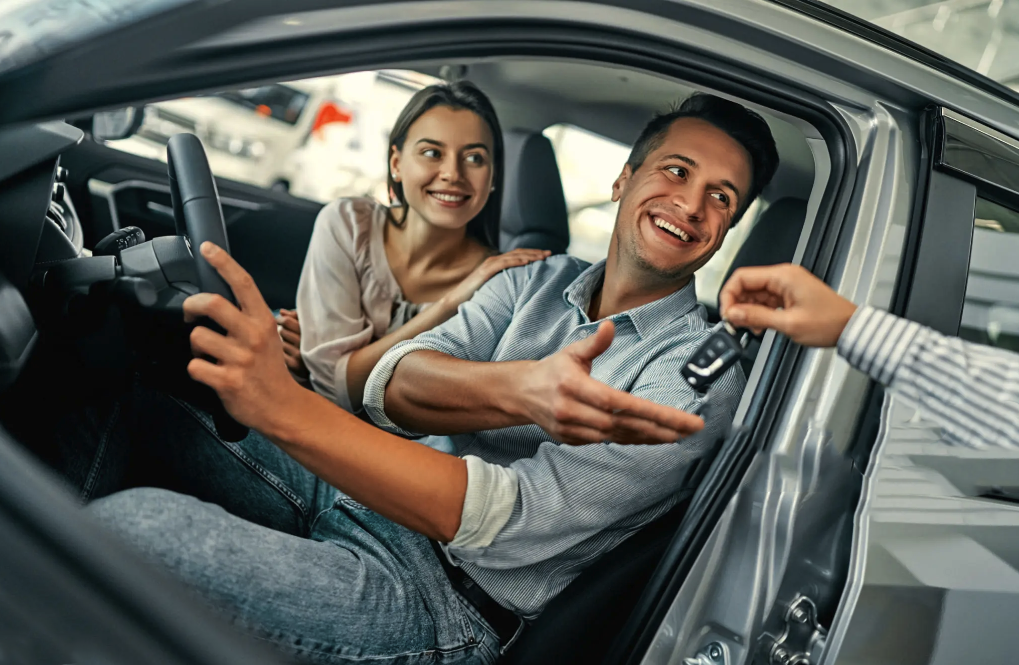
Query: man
x=355, y=576
x=970, y=390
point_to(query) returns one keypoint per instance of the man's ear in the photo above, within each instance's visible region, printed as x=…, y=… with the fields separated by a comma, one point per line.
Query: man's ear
x=619, y=186
x=394, y=163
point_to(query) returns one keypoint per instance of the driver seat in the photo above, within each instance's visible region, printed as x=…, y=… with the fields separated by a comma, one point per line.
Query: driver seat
x=533, y=205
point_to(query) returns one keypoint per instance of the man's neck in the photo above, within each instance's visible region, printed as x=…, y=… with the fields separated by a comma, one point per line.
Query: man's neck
x=624, y=289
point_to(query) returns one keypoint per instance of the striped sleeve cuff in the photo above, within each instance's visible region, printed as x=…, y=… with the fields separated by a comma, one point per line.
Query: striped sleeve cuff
x=876, y=342
x=491, y=495
x=375, y=388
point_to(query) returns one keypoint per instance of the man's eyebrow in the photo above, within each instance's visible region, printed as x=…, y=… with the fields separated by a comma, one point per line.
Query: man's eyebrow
x=682, y=158
x=735, y=190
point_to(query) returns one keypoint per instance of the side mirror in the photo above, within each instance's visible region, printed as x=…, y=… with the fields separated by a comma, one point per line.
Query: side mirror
x=116, y=125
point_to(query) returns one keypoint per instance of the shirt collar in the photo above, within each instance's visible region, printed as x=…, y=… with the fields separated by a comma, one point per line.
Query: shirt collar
x=646, y=318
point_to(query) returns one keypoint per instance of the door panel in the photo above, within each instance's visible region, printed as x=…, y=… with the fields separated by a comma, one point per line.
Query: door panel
x=268, y=231
x=935, y=564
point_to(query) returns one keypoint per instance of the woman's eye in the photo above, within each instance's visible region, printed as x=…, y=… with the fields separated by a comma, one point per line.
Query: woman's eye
x=430, y=152
x=475, y=159
x=677, y=171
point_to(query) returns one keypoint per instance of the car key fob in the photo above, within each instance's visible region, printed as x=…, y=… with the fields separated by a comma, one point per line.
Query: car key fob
x=717, y=354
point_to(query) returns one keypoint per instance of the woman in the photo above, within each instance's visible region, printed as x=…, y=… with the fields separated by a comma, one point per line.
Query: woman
x=376, y=275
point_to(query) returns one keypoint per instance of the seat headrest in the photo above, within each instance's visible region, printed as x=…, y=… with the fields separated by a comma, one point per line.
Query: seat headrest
x=773, y=238
x=533, y=204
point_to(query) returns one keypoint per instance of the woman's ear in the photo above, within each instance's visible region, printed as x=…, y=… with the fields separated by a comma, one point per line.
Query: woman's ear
x=394, y=163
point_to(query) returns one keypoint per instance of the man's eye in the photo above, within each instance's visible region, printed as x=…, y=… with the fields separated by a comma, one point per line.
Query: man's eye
x=677, y=171
x=722, y=197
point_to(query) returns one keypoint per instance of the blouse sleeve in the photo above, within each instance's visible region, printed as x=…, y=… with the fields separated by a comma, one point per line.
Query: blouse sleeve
x=333, y=321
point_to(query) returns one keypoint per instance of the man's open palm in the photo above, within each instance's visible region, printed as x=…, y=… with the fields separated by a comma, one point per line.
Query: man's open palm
x=574, y=408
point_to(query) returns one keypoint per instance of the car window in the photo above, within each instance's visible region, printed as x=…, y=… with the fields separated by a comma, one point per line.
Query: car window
x=990, y=313
x=588, y=164
x=319, y=138
x=979, y=34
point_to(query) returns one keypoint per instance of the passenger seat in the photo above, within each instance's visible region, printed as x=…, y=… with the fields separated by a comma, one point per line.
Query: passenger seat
x=533, y=205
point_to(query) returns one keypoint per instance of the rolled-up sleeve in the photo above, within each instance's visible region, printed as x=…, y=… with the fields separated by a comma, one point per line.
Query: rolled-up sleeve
x=472, y=334
x=333, y=321
x=567, y=494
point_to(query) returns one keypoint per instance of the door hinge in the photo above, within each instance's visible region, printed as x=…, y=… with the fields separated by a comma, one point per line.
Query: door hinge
x=802, y=638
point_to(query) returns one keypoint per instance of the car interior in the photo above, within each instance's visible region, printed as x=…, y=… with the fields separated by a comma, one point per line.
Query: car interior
x=80, y=302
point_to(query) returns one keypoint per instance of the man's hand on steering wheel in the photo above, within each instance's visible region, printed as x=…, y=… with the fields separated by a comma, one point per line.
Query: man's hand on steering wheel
x=246, y=367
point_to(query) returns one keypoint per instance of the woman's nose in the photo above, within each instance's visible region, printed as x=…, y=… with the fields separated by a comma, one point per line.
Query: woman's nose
x=450, y=170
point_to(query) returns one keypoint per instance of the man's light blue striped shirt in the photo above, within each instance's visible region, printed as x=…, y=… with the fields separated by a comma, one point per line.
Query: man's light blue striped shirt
x=565, y=505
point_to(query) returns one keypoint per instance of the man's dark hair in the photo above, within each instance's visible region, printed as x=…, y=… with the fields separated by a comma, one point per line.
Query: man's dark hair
x=745, y=127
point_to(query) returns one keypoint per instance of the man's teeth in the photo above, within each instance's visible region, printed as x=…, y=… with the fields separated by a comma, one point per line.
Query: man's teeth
x=450, y=198
x=661, y=223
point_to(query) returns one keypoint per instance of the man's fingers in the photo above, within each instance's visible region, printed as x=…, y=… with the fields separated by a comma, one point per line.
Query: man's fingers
x=588, y=349
x=249, y=298
x=629, y=429
x=215, y=307
x=205, y=342
x=205, y=372
x=619, y=403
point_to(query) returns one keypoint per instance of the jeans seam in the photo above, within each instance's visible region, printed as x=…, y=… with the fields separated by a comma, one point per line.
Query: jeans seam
x=97, y=460
x=265, y=474
x=338, y=649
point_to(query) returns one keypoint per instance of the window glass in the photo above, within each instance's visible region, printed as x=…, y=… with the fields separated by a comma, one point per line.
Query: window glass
x=980, y=34
x=589, y=164
x=319, y=138
x=990, y=314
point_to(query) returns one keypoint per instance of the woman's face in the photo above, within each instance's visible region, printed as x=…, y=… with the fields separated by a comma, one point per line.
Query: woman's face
x=445, y=166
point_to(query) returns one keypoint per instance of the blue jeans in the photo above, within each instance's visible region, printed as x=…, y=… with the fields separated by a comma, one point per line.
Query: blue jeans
x=289, y=559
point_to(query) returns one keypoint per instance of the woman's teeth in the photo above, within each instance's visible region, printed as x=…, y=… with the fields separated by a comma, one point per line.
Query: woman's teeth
x=662, y=224
x=449, y=198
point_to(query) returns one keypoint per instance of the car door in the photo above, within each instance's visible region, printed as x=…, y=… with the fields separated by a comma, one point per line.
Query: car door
x=268, y=230
x=933, y=576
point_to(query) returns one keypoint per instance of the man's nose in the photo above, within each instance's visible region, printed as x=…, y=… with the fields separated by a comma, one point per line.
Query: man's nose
x=690, y=201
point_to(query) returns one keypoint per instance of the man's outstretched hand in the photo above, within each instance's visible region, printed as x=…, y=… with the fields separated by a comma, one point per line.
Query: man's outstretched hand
x=245, y=367
x=788, y=299
x=562, y=398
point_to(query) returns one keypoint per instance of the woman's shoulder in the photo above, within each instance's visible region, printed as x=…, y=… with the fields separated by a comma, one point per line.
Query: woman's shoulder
x=351, y=218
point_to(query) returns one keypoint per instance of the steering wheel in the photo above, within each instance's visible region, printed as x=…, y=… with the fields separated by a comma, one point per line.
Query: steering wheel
x=198, y=216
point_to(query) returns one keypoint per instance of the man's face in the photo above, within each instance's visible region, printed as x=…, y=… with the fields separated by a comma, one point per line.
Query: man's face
x=676, y=208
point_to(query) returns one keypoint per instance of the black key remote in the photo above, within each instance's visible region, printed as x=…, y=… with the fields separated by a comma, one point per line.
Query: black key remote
x=717, y=354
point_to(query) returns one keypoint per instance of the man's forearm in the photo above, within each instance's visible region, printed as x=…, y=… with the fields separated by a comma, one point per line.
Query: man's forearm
x=409, y=483
x=434, y=393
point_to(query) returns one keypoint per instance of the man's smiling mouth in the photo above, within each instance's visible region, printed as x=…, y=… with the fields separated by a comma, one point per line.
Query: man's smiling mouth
x=679, y=233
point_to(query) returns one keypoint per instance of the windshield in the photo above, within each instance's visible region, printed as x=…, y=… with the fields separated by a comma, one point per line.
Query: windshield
x=33, y=29
x=980, y=34
x=274, y=101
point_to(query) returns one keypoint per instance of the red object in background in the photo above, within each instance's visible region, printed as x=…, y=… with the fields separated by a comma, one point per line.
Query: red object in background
x=263, y=110
x=329, y=113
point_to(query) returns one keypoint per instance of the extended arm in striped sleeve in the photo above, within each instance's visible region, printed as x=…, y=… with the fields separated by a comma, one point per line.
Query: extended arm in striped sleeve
x=972, y=391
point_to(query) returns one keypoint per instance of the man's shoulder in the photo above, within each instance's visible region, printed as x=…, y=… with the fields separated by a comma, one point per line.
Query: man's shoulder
x=555, y=271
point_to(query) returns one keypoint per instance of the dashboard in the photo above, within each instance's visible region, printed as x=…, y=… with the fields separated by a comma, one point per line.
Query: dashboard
x=38, y=224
